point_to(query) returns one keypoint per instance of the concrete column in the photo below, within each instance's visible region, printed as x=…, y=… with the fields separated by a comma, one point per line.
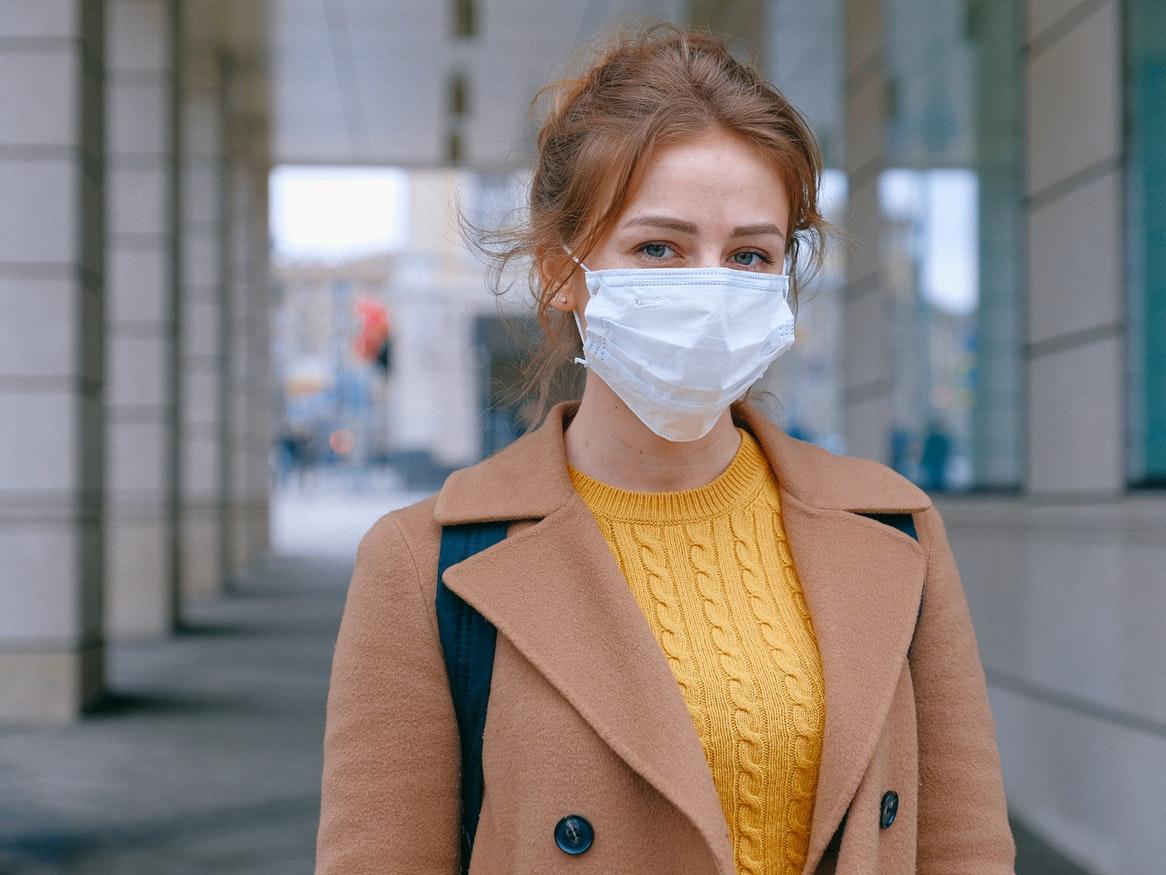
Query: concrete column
x=141, y=86
x=261, y=423
x=52, y=430
x=1073, y=642
x=867, y=403
x=1076, y=318
x=241, y=364
x=202, y=349
x=250, y=427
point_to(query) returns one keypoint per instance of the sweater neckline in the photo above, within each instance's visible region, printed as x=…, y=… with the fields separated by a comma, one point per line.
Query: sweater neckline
x=734, y=487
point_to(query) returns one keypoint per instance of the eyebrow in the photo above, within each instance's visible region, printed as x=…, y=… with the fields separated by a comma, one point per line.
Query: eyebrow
x=689, y=228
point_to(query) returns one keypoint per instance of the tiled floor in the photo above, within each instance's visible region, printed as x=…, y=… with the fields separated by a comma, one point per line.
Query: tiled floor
x=207, y=758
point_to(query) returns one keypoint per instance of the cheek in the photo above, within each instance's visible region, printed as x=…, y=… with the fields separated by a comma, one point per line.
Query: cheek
x=581, y=299
x=579, y=289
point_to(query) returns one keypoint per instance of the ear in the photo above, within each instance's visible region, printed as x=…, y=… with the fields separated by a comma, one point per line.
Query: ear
x=564, y=297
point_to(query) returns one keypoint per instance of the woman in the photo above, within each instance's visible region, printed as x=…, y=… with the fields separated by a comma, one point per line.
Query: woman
x=719, y=648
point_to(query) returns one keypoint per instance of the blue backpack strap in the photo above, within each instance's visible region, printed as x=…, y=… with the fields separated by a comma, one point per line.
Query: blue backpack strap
x=467, y=640
x=904, y=522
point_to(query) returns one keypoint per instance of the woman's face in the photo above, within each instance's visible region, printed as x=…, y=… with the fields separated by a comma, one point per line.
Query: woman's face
x=710, y=201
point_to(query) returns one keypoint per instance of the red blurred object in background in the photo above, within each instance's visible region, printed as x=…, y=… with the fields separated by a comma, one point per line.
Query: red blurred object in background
x=341, y=441
x=371, y=342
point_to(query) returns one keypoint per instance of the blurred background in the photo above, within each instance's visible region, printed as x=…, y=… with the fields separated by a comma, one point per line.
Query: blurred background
x=237, y=325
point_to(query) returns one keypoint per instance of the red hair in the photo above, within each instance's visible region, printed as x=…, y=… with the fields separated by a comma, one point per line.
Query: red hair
x=646, y=89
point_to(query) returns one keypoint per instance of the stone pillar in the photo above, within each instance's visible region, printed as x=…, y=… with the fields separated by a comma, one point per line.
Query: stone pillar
x=1073, y=647
x=202, y=232
x=866, y=365
x=141, y=86
x=239, y=363
x=52, y=430
x=250, y=427
x=261, y=384
x=1076, y=313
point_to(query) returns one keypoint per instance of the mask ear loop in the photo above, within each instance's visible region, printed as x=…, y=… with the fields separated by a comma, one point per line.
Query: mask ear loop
x=575, y=313
x=579, y=327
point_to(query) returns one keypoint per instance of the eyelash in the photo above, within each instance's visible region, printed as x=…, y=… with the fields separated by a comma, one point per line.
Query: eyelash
x=765, y=259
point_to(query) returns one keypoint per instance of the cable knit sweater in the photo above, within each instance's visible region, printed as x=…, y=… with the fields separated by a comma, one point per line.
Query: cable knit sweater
x=713, y=574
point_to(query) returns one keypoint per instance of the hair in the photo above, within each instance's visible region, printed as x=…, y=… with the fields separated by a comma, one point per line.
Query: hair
x=648, y=88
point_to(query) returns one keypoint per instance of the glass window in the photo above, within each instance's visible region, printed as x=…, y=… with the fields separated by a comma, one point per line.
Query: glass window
x=950, y=195
x=1146, y=239
x=804, y=59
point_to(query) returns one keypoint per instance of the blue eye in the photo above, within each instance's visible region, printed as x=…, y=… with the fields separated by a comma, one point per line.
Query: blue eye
x=761, y=259
x=656, y=250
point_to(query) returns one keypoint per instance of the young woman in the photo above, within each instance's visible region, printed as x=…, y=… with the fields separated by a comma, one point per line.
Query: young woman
x=718, y=648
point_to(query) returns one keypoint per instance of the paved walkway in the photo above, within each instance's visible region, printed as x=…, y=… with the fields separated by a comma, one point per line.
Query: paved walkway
x=206, y=759
x=207, y=756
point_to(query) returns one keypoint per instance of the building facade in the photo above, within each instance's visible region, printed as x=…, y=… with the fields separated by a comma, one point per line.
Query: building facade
x=135, y=395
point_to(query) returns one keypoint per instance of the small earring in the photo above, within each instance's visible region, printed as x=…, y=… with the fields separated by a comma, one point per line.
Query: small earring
x=562, y=299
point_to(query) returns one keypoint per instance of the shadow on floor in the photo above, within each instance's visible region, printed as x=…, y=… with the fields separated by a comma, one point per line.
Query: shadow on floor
x=1035, y=857
x=204, y=757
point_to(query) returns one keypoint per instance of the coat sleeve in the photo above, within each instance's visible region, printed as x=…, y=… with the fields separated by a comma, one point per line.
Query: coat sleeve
x=963, y=821
x=390, y=789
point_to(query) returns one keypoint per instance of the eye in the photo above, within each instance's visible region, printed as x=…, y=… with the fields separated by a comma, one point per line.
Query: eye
x=656, y=250
x=749, y=255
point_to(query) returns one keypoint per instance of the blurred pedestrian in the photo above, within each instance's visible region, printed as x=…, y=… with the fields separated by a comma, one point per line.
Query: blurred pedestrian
x=935, y=455
x=707, y=646
x=287, y=449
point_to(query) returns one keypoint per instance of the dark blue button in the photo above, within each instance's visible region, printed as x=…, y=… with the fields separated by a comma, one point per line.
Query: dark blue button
x=888, y=808
x=573, y=834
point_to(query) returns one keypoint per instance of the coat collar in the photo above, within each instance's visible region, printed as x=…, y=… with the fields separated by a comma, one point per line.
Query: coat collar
x=533, y=470
x=555, y=591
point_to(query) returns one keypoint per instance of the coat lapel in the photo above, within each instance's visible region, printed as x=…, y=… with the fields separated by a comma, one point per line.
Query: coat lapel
x=555, y=591
x=567, y=608
x=863, y=581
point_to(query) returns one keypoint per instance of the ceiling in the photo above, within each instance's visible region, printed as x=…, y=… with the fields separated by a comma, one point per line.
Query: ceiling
x=370, y=81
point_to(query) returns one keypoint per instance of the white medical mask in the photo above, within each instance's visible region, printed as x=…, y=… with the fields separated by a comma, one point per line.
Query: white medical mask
x=679, y=345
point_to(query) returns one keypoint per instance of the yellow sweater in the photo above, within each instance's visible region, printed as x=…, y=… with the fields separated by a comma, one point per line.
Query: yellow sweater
x=712, y=572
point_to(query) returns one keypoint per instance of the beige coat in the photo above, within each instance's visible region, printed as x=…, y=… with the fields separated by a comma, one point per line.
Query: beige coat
x=586, y=718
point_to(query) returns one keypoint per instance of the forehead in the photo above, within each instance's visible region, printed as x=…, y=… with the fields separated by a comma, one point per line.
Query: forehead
x=713, y=176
